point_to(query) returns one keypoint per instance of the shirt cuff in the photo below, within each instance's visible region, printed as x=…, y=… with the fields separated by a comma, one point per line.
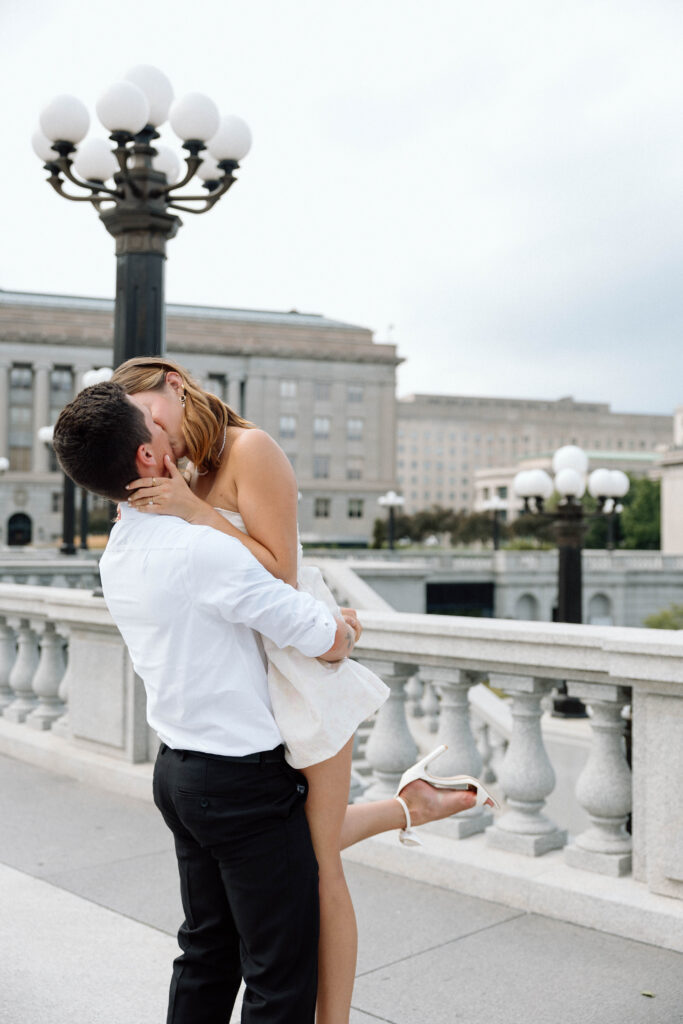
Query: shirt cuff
x=321, y=635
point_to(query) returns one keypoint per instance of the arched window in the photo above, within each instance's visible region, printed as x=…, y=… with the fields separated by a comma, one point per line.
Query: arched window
x=600, y=611
x=527, y=608
x=19, y=529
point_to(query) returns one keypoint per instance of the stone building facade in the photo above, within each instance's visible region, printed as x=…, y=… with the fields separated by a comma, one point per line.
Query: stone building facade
x=443, y=440
x=322, y=388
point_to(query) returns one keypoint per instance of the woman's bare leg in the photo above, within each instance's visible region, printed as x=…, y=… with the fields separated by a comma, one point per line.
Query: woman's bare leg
x=326, y=806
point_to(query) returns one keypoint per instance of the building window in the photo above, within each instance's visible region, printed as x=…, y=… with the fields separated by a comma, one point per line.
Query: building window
x=354, y=393
x=56, y=501
x=321, y=508
x=322, y=391
x=61, y=389
x=61, y=393
x=355, y=508
x=216, y=385
x=502, y=492
x=354, y=469
x=288, y=426
x=21, y=418
x=321, y=467
x=321, y=428
x=287, y=389
x=354, y=430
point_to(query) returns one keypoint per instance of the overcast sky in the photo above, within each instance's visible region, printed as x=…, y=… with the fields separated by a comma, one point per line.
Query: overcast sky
x=495, y=186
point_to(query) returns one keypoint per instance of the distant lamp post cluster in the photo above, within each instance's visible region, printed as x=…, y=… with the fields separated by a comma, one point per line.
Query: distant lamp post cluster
x=535, y=486
x=392, y=501
x=134, y=183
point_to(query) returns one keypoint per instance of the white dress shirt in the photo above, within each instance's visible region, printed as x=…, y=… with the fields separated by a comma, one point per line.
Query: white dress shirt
x=187, y=600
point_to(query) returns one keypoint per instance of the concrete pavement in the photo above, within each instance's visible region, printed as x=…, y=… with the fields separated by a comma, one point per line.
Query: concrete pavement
x=90, y=906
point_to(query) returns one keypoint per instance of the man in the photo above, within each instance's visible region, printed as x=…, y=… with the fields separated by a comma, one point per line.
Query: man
x=186, y=600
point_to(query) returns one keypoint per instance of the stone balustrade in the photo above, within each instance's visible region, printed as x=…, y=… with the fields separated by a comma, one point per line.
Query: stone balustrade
x=80, y=573
x=64, y=669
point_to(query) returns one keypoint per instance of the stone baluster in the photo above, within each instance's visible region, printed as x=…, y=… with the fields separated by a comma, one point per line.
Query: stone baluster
x=61, y=726
x=8, y=653
x=47, y=679
x=414, y=691
x=481, y=732
x=526, y=776
x=391, y=748
x=23, y=671
x=430, y=707
x=604, y=786
x=462, y=756
x=499, y=745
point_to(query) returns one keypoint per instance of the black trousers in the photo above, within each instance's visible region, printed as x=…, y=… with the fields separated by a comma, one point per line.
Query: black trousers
x=249, y=887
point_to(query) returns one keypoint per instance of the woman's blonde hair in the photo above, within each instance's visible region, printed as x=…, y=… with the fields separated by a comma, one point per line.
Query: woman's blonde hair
x=206, y=416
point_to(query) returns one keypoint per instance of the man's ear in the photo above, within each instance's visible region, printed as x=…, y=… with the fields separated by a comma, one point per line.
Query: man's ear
x=144, y=459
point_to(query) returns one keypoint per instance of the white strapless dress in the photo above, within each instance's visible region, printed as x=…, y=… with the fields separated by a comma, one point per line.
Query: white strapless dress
x=317, y=706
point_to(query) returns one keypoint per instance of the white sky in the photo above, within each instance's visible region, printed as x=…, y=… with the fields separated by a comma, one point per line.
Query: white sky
x=493, y=185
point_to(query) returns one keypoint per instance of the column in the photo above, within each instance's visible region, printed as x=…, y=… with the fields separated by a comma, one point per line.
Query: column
x=41, y=416
x=604, y=786
x=526, y=775
x=391, y=748
x=462, y=756
x=4, y=410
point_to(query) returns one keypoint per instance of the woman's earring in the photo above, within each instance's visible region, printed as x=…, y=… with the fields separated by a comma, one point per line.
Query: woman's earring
x=182, y=399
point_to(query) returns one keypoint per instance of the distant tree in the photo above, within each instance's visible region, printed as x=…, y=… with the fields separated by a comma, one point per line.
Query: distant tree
x=534, y=529
x=640, y=520
x=379, y=533
x=668, y=618
x=478, y=526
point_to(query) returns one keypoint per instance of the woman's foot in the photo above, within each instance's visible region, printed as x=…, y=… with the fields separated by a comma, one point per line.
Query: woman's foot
x=426, y=803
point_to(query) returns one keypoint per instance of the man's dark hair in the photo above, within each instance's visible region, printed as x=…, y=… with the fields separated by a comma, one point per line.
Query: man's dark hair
x=96, y=438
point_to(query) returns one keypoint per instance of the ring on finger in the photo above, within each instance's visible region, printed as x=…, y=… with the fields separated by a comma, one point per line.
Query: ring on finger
x=151, y=502
x=154, y=481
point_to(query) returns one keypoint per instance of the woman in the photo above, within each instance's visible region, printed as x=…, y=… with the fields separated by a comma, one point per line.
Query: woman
x=241, y=480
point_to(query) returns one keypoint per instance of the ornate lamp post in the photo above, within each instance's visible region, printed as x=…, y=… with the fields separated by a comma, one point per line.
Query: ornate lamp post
x=392, y=501
x=69, y=493
x=498, y=506
x=136, y=207
x=570, y=465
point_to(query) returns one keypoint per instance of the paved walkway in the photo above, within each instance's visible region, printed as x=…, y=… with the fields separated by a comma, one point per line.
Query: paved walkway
x=89, y=904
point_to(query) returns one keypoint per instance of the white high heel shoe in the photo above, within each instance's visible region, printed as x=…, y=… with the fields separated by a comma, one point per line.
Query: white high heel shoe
x=421, y=771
